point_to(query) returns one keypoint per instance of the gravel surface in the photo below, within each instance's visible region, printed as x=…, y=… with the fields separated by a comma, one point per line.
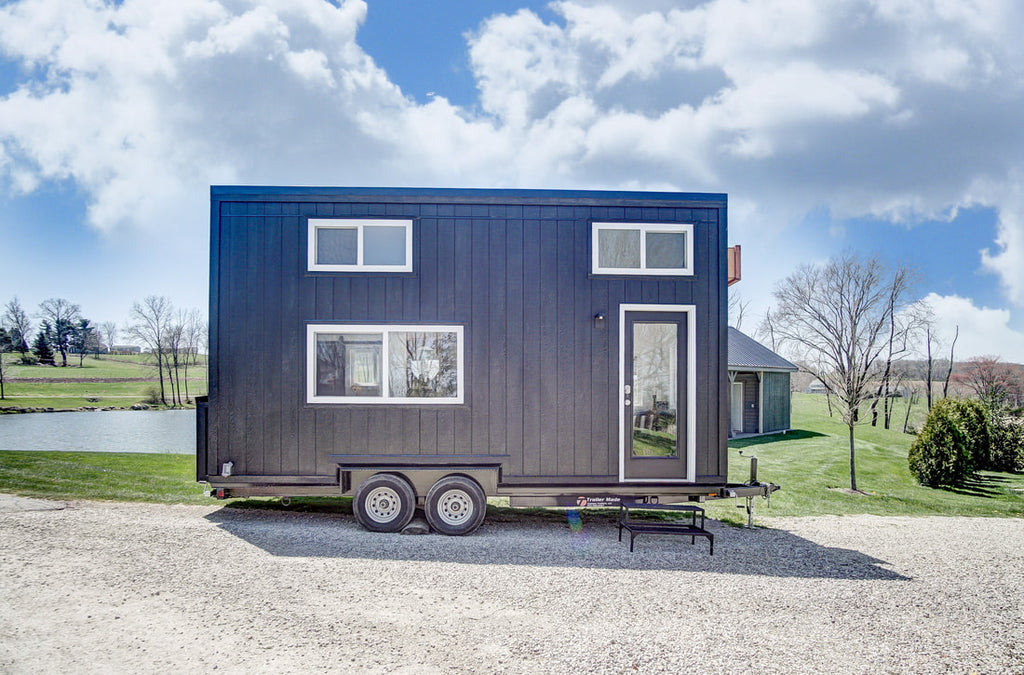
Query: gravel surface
x=109, y=587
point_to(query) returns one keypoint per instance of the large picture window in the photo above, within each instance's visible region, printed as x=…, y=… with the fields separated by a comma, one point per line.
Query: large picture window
x=642, y=248
x=360, y=245
x=384, y=364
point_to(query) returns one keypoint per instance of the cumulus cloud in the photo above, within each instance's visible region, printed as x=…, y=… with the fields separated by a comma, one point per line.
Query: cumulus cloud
x=903, y=110
x=980, y=331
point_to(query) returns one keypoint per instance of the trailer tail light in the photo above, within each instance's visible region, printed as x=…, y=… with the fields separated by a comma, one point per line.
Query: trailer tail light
x=221, y=493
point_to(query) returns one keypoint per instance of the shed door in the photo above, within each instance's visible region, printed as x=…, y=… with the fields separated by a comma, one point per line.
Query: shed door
x=654, y=396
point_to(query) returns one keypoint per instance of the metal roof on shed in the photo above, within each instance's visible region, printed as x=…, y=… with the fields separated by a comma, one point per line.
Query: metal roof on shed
x=746, y=353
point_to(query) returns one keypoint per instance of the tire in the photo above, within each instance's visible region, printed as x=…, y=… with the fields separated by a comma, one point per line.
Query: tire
x=455, y=505
x=384, y=502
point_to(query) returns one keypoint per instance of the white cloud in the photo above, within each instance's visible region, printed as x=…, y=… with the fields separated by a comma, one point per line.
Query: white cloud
x=900, y=109
x=982, y=331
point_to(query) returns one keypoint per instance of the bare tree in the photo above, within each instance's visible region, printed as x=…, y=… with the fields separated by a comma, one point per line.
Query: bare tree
x=737, y=308
x=152, y=317
x=991, y=380
x=949, y=371
x=63, y=318
x=108, y=330
x=194, y=328
x=766, y=331
x=836, y=318
x=17, y=323
x=901, y=326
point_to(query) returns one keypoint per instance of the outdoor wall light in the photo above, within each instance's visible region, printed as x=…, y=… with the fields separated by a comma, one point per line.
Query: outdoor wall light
x=599, y=319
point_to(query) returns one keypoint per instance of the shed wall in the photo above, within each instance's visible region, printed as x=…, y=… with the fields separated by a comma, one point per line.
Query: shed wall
x=777, y=402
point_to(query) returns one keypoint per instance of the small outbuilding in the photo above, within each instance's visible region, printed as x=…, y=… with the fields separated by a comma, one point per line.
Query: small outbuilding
x=759, y=387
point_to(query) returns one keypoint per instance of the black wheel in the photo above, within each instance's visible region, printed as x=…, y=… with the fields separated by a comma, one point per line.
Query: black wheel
x=384, y=502
x=455, y=505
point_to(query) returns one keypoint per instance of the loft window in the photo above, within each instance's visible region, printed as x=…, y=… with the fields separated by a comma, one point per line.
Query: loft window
x=360, y=245
x=642, y=248
x=384, y=364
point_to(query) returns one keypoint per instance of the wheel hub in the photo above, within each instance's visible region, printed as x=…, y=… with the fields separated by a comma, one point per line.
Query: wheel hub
x=455, y=507
x=383, y=505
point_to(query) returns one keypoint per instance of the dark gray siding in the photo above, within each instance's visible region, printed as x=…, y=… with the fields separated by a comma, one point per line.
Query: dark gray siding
x=775, y=390
x=513, y=268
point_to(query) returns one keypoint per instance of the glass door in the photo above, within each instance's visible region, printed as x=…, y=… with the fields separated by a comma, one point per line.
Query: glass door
x=654, y=395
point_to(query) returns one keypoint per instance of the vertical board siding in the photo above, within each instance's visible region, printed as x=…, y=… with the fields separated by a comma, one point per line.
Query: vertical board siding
x=776, y=392
x=541, y=374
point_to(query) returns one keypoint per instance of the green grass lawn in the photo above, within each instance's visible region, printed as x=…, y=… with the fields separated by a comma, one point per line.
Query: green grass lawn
x=102, y=475
x=810, y=463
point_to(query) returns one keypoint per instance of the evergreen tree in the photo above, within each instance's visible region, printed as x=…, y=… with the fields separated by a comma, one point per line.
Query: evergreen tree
x=41, y=347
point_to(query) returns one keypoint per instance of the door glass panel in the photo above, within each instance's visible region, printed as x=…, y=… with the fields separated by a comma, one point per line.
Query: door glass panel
x=655, y=389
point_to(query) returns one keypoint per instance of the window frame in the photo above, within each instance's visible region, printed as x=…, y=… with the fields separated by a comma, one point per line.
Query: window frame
x=685, y=229
x=315, y=329
x=316, y=224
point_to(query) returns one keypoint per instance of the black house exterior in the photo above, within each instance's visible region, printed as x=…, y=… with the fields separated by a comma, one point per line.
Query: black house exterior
x=545, y=345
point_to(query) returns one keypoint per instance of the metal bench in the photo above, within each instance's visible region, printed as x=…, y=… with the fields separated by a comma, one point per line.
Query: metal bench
x=689, y=528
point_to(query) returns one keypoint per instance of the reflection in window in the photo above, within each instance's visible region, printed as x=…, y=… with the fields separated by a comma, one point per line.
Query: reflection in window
x=655, y=389
x=619, y=248
x=423, y=364
x=347, y=364
x=359, y=245
x=642, y=248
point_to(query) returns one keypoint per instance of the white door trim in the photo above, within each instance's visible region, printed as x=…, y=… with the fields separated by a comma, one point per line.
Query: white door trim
x=691, y=390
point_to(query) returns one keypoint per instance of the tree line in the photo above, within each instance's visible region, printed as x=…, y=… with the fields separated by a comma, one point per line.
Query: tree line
x=172, y=338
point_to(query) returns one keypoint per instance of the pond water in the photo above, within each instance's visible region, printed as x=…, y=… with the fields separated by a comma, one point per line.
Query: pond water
x=161, y=431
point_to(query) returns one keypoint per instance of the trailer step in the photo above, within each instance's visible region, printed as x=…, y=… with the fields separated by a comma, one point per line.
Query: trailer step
x=689, y=528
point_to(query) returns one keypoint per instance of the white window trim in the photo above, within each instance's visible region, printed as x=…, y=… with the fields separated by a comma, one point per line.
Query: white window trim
x=357, y=223
x=312, y=330
x=643, y=228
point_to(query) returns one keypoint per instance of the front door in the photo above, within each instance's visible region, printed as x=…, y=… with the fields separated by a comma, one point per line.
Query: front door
x=736, y=408
x=654, y=395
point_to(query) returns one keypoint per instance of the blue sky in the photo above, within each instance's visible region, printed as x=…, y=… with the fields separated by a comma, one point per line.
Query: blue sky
x=878, y=127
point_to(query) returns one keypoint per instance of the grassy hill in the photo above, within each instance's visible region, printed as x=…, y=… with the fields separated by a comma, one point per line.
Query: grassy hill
x=101, y=381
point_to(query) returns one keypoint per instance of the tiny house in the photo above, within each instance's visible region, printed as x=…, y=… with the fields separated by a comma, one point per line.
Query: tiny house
x=428, y=348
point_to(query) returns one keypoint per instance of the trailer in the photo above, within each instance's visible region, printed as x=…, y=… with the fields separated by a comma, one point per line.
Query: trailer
x=430, y=348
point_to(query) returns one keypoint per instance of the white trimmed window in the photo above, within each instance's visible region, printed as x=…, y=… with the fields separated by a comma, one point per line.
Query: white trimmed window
x=642, y=248
x=384, y=364
x=360, y=245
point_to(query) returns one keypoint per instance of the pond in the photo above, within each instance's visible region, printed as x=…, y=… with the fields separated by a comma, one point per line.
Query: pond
x=161, y=431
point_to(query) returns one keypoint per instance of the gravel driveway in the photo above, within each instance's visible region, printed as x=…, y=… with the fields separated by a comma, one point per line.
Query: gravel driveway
x=109, y=587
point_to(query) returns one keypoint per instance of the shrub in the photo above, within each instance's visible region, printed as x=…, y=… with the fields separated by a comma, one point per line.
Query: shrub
x=152, y=396
x=952, y=445
x=29, y=359
x=1006, y=445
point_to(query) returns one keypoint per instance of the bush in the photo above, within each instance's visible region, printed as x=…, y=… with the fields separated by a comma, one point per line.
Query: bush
x=1006, y=445
x=29, y=359
x=952, y=445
